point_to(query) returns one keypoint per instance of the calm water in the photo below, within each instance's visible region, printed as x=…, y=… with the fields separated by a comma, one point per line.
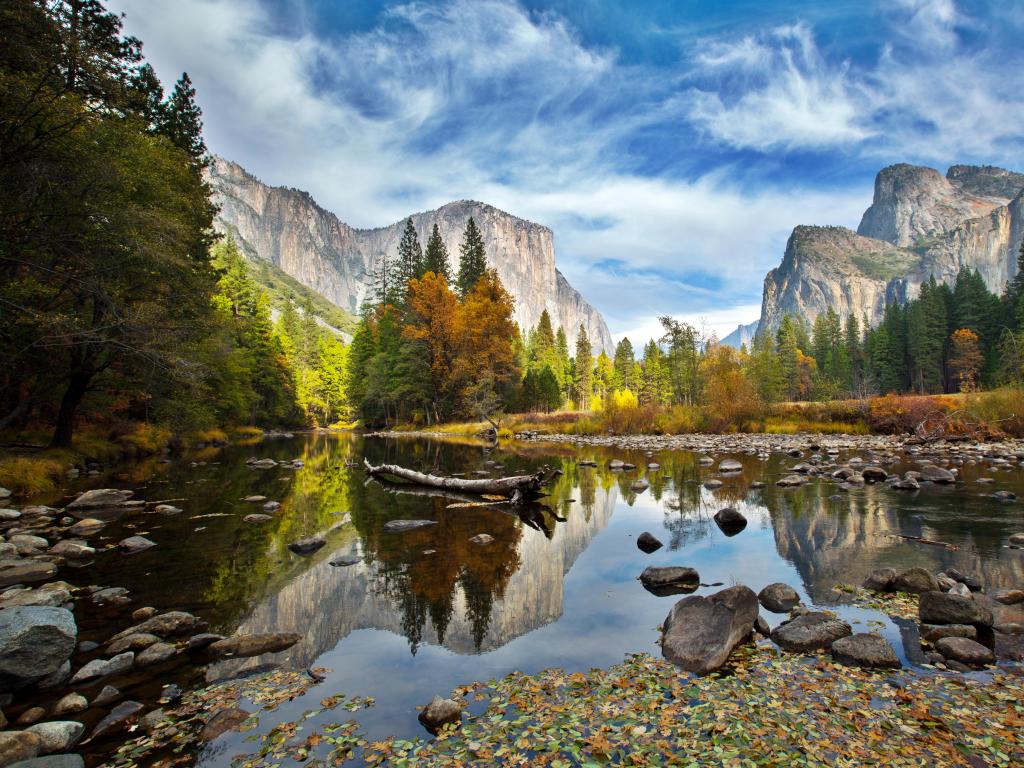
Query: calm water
x=426, y=610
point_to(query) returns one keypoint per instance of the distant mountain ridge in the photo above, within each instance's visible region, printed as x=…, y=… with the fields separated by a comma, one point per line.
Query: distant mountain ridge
x=744, y=334
x=287, y=228
x=920, y=223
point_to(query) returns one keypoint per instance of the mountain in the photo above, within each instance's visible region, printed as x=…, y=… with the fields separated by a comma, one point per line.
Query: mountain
x=744, y=334
x=287, y=228
x=920, y=224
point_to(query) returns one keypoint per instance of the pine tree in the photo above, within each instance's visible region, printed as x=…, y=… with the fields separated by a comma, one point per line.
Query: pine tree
x=854, y=354
x=410, y=258
x=472, y=258
x=624, y=360
x=564, y=371
x=146, y=96
x=181, y=120
x=435, y=258
x=584, y=363
x=385, y=283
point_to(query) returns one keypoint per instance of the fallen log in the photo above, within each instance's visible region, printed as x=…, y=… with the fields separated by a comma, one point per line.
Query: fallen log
x=518, y=489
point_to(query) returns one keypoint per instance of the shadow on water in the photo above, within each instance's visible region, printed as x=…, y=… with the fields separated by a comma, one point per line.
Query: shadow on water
x=402, y=616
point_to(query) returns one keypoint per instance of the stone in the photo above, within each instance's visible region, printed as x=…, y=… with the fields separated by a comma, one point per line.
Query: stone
x=915, y=581
x=639, y=485
x=960, y=589
x=1016, y=539
x=51, y=761
x=934, y=632
x=713, y=483
x=35, y=641
x=26, y=544
x=4, y=493
x=155, y=654
x=31, y=715
x=944, y=608
x=57, y=735
x=239, y=646
x=56, y=679
x=111, y=596
x=18, y=745
x=255, y=499
x=615, y=464
x=790, y=481
x=25, y=571
x=87, y=527
x=648, y=542
x=670, y=580
x=700, y=632
x=730, y=465
x=1004, y=496
x=135, y=544
x=730, y=521
x=100, y=498
x=945, y=583
x=197, y=642
x=438, y=713
x=256, y=518
x=937, y=474
x=55, y=594
x=71, y=704
x=400, y=526
x=346, y=560
x=811, y=631
x=98, y=668
x=873, y=474
x=481, y=539
x=308, y=545
x=762, y=626
x=965, y=650
x=907, y=484
x=73, y=550
x=1007, y=596
x=865, y=650
x=880, y=580
x=969, y=580
x=107, y=695
x=227, y=719
x=778, y=598
x=119, y=718
x=263, y=464
x=141, y=614
x=162, y=625
x=152, y=720
x=271, y=506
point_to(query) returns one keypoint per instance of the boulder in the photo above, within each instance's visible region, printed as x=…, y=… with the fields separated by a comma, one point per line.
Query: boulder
x=1007, y=596
x=346, y=560
x=648, y=542
x=308, y=545
x=730, y=521
x=937, y=474
x=57, y=735
x=22, y=571
x=197, y=642
x=155, y=654
x=271, y=506
x=56, y=594
x=1016, y=539
x=969, y=580
x=107, y=695
x=27, y=544
x=880, y=580
x=615, y=464
x=944, y=608
x=224, y=720
x=811, y=631
x=134, y=544
x=120, y=717
x=141, y=614
x=100, y=498
x=98, y=668
x=52, y=761
x=778, y=598
x=915, y=581
x=959, y=589
x=35, y=641
x=1004, y=495
x=865, y=650
x=700, y=632
x=670, y=580
x=71, y=704
x=263, y=464
x=639, y=485
x=873, y=474
x=762, y=626
x=162, y=625
x=18, y=745
x=400, y=526
x=438, y=713
x=56, y=679
x=713, y=484
x=935, y=632
x=906, y=484
x=966, y=651
x=87, y=526
x=790, y=481
x=240, y=646
x=72, y=549
x=730, y=465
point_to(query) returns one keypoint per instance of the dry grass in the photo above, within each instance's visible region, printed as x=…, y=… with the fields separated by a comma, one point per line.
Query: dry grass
x=27, y=475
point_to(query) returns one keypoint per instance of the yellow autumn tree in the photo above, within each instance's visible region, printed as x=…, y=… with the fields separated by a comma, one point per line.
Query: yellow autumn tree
x=730, y=397
x=966, y=358
x=431, y=328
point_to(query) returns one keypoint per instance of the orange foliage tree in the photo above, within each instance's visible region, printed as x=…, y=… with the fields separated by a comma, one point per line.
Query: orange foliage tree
x=730, y=397
x=432, y=320
x=966, y=358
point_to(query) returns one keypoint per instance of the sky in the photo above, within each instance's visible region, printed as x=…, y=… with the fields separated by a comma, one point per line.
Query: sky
x=670, y=146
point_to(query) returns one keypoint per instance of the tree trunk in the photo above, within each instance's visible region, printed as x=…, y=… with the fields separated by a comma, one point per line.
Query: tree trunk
x=73, y=395
x=518, y=489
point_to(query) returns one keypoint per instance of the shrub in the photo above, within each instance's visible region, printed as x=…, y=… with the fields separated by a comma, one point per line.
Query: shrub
x=999, y=409
x=248, y=431
x=897, y=414
x=29, y=475
x=145, y=439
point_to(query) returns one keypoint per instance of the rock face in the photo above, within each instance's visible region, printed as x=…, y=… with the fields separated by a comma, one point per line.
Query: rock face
x=919, y=224
x=700, y=632
x=287, y=228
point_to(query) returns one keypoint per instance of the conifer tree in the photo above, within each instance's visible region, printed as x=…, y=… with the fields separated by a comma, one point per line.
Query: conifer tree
x=435, y=258
x=472, y=258
x=624, y=360
x=584, y=364
x=410, y=257
x=181, y=120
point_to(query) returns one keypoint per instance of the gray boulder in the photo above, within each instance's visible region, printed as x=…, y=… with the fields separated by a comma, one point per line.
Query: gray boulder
x=648, y=542
x=790, y=481
x=865, y=650
x=700, y=632
x=162, y=625
x=308, y=545
x=944, y=608
x=670, y=580
x=438, y=713
x=935, y=632
x=22, y=571
x=18, y=745
x=57, y=735
x=51, y=761
x=778, y=598
x=71, y=704
x=966, y=651
x=730, y=465
x=400, y=526
x=98, y=668
x=880, y=580
x=809, y=632
x=134, y=544
x=730, y=521
x=937, y=474
x=100, y=498
x=35, y=641
x=915, y=581
x=253, y=645
x=155, y=654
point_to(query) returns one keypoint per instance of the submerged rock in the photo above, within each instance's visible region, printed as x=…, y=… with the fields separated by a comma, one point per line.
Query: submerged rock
x=308, y=545
x=227, y=719
x=399, y=526
x=865, y=650
x=240, y=646
x=670, y=580
x=119, y=718
x=648, y=542
x=135, y=544
x=700, y=632
x=346, y=560
x=101, y=498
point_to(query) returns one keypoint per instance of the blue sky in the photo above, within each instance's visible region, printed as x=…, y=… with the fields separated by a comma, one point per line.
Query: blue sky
x=671, y=146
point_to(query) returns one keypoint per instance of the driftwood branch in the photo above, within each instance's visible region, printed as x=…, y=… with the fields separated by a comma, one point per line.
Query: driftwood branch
x=518, y=489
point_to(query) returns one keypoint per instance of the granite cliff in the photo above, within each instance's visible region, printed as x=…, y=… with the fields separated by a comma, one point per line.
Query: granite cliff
x=287, y=228
x=920, y=224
